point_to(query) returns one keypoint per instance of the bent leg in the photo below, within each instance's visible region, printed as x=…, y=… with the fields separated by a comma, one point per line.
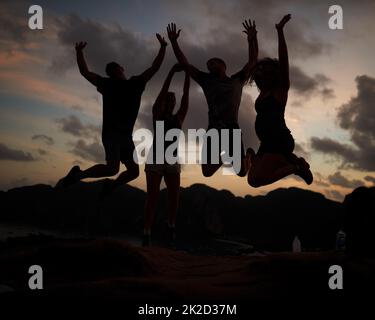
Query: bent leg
x=109, y=169
x=131, y=173
x=209, y=170
x=269, y=168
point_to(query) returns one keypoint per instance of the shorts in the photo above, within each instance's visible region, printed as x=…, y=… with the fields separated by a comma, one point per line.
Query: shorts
x=221, y=148
x=163, y=168
x=118, y=147
x=283, y=144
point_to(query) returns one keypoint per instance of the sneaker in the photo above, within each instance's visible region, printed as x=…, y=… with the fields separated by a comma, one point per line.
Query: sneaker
x=303, y=171
x=146, y=240
x=71, y=178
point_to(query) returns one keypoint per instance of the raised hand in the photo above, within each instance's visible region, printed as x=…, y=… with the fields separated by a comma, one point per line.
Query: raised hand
x=161, y=39
x=250, y=29
x=173, y=34
x=80, y=45
x=177, y=67
x=283, y=21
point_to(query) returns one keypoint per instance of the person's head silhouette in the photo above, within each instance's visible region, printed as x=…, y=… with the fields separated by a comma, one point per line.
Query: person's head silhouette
x=266, y=74
x=216, y=66
x=115, y=71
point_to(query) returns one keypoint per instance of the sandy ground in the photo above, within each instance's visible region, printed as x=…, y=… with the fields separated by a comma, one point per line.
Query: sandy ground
x=116, y=270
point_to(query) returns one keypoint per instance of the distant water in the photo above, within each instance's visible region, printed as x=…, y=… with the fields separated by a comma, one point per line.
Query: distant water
x=211, y=247
x=14, y=230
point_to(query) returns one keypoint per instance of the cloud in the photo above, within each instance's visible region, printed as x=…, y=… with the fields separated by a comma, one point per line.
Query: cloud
x=302, y=42
x=89, y=151
x=338, y=179
x=320, y=180
x=306, y=85
x=328, y=145
x=75, y=127
x=334, y=194
x=105, y=43
x=370, y=179
x=13, y=28
x=43, y=138
x=42, y=152
x=358, y=117
x=7, y=153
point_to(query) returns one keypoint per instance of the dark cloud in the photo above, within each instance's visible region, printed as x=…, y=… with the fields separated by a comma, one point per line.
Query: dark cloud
x=327, y=145
x=88, y=151
x=43, y=138
x=358, y=117
x=75, y=127
x=334, y=194
x=302, y=42
x=105, y=43
x=42, y=152
x=7, y=153
x=327, y=93
x=15, y=35
x=13, y=23
x=306, y=85
x=370, y=179
x=338, y=179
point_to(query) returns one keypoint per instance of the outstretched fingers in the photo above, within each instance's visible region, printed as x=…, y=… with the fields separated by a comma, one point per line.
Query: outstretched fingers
x=250, y=28
x=80, y=45
x=173, y=34
x=161, y=40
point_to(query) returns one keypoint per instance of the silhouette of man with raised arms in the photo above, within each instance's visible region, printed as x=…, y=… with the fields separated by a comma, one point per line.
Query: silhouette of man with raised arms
x=223, y=95
x=121, y=102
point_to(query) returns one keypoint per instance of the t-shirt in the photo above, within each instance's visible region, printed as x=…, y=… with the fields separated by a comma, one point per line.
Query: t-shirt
x=223, y=97
x=121, y=103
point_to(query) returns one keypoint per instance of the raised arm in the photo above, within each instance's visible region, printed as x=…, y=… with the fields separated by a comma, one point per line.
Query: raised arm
x=83, y=69
x=158, y=107
x=149, y=73
x=173, y=36
x=251, y=32
x=283, y=52
x=181, y=113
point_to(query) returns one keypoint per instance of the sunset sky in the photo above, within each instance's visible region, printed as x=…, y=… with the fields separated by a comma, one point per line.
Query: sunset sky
x=50, y=116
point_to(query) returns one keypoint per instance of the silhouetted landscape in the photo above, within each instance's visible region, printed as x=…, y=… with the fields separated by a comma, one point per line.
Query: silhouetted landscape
x=266, y=222
x=239, y=246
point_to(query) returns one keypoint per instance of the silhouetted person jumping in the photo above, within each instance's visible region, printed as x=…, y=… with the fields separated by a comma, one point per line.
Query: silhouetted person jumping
x=223, y=95
x=275, y=158
x=162, y=110
x=121, y=102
